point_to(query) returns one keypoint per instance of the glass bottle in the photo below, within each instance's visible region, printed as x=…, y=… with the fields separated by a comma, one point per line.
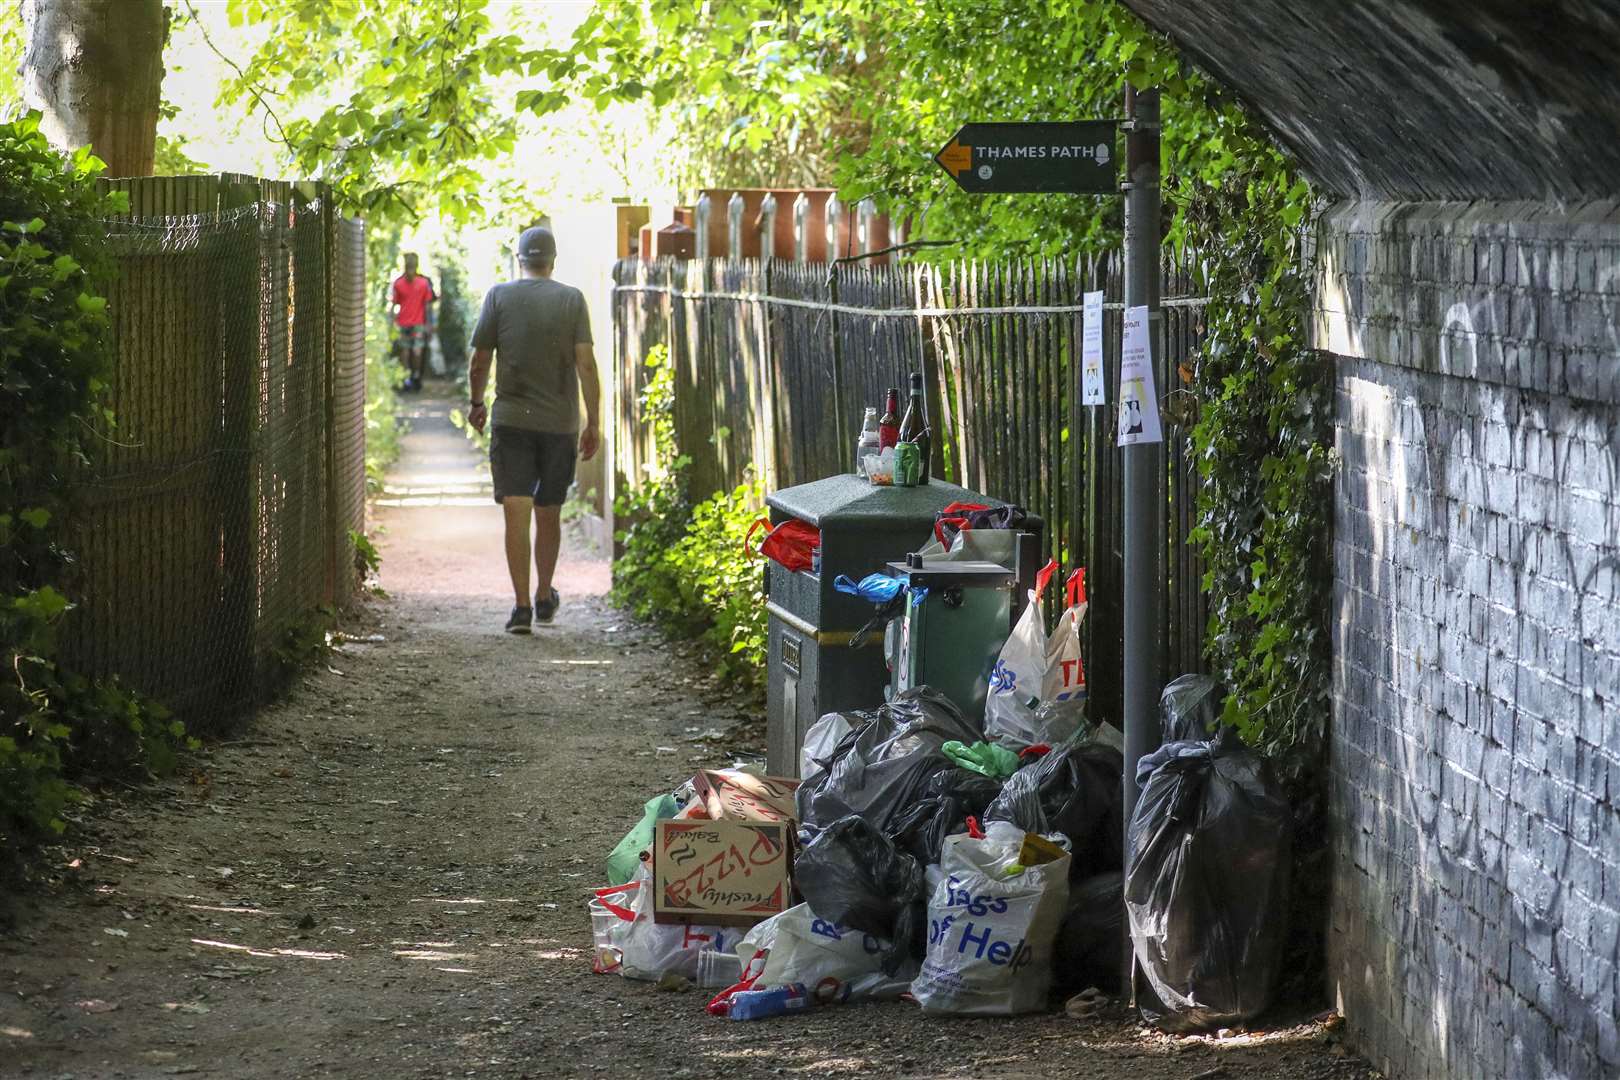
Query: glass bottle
x=889, y=422
x=914, y=428
x=868, y=441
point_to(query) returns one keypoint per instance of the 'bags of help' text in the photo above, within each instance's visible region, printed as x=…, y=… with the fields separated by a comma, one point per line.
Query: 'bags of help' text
x=991, y=924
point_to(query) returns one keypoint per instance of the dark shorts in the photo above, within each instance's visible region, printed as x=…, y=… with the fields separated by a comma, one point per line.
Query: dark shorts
x=535, y=464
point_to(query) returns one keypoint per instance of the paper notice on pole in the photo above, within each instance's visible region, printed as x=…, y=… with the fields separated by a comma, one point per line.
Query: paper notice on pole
x=1091, y=351
x=1138, y=402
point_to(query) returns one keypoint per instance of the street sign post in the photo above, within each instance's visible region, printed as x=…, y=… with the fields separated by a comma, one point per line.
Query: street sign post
x=1072, y=157
x=1077, y=157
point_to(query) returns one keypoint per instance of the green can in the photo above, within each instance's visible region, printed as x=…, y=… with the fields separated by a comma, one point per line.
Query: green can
x=907, y=464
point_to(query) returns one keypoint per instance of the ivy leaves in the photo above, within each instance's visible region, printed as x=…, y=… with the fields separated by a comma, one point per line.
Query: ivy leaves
x=681, y=564
x=1263, y=448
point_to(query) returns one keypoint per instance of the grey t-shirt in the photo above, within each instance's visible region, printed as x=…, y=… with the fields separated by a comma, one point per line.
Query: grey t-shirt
x=533, y=325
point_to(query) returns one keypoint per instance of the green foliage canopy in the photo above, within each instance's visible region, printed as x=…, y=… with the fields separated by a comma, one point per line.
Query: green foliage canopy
x=403, y=112
x=867, y=90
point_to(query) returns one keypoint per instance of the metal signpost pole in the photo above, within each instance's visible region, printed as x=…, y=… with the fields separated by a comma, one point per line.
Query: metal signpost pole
x=1077, y=157
x=1143, y=463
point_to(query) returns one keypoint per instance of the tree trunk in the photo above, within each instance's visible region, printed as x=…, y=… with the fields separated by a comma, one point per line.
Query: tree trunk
x=94, y=68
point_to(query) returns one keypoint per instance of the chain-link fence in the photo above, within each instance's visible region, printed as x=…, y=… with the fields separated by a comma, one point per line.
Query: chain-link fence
x=214, y=518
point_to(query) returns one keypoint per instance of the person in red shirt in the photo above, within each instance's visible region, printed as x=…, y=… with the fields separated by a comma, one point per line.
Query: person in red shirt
x=412, y=300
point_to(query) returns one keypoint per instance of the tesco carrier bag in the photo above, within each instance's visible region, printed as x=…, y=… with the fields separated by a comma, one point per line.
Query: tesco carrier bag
x=629, y=942
x=992, y=922
x=1038, y=685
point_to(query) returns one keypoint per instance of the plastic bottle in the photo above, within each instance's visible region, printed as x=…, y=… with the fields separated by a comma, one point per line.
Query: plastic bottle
x=717, y=970
x=758, y=1004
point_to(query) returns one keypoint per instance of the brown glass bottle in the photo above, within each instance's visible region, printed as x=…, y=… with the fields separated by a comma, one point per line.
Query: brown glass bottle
x=889, y=422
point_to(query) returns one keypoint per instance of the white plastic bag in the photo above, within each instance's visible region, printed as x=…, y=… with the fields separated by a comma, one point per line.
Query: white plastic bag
x=837, y=963
x=648, y=950
x=991, y=926
x=1038, y=686
x=976, y=545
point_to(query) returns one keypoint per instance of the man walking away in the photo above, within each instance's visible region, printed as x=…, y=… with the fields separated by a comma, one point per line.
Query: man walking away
x=540, y=331
x=412, y=299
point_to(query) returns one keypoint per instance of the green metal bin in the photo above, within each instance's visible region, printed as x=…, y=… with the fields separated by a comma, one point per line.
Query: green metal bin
x=812, y=669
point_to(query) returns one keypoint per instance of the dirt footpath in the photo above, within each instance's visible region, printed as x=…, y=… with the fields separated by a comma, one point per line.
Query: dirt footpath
x=385, y=875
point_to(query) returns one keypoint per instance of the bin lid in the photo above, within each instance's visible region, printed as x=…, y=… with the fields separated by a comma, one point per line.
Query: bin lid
x=850, y=501
x=940, y=573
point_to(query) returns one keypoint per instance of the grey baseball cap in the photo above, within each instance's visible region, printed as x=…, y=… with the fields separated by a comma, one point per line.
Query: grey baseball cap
x=536, y=244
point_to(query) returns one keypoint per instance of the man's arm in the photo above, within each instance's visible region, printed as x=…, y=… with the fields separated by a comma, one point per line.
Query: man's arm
x=585, y=363
x=478, y=377
x=484, y=338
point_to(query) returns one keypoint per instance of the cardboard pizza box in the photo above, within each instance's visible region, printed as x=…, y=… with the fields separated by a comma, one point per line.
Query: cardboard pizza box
x=734, y=796
x=727, y=873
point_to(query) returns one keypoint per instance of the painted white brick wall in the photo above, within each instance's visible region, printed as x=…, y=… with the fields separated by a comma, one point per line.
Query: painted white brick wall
x=1475, y=926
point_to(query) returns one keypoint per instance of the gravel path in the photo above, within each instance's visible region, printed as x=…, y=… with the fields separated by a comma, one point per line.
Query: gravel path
x=384, y=876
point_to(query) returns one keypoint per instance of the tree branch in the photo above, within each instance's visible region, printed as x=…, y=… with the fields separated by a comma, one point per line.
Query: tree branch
x=252, y=87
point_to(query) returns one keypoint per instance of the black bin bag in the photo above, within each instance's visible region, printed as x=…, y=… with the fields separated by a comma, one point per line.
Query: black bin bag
x=1190, y=708
x=1073, y=790
x=884, y=765
x=950, y=798
x=853, y=875
x=1087, y=950
x=1206, y=890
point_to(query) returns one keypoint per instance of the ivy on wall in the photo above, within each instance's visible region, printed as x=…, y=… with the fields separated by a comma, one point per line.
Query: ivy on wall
x=1263, y=447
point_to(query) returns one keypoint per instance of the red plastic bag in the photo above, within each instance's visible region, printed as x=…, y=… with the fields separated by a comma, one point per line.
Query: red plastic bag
x=788, y=544
x=952, y=520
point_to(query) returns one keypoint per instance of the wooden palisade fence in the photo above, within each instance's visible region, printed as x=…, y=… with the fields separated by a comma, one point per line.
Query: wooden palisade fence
x=768, y=356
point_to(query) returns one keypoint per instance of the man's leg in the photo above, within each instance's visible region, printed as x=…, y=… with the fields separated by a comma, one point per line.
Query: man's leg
x=418, y=357
x=517, y=509
x=547, y=543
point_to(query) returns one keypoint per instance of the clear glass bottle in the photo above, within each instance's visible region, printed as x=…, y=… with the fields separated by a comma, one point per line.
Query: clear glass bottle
x=868, y=441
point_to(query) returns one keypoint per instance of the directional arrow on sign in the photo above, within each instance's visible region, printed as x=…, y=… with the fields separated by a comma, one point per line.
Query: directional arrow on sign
x=955, y=157
x=1076, y=157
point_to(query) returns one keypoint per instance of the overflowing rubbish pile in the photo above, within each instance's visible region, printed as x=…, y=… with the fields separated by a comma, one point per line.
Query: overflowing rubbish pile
x=974, y=861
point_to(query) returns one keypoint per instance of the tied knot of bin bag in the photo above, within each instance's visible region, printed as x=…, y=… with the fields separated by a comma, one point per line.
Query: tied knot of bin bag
x=1190, y=708
x=1207, y=885
x=788, y=543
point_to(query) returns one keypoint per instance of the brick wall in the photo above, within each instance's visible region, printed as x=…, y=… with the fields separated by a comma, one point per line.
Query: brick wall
x=1476, y=729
